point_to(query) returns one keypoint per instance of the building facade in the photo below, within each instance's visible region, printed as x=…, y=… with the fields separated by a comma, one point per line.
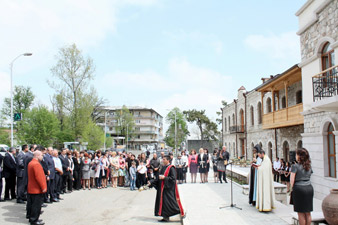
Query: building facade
x=255, y=117
x=148, y=130
x=318, y=31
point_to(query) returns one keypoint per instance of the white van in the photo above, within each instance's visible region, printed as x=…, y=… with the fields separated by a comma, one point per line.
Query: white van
x=3, y=149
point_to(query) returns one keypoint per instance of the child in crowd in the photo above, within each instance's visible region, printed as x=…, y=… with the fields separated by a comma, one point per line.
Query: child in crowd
x=132, y=173
x=142, y=174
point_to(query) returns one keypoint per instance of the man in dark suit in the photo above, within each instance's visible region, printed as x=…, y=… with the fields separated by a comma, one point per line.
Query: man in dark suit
x=26, y=160
x=20, y=169
x=10, y=173
x=1, y=159
x=66, y=169
x=48, y=158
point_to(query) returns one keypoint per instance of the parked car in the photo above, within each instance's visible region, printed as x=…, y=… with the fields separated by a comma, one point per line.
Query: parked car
x=3, y=149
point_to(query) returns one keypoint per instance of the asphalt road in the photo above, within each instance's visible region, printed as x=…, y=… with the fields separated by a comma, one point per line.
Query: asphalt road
x=105, y=206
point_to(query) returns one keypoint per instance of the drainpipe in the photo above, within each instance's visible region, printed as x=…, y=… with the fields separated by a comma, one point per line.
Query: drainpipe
x=222, y=127
x=236, y=152
x=275, y=143
x=245, y=131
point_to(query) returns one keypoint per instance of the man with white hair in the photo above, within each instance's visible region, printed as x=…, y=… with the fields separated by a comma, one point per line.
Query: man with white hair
x=36, y=187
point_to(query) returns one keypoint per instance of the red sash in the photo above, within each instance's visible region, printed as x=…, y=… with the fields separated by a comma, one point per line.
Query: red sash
x=176, y=194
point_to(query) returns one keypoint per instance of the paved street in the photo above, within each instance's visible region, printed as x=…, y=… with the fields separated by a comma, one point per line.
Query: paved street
x=106, y=206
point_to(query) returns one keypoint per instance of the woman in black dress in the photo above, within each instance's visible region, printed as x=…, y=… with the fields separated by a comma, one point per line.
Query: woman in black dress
x=302, y=190
x=202, y=164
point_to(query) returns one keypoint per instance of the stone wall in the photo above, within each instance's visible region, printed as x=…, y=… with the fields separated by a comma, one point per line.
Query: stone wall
x=327, y=25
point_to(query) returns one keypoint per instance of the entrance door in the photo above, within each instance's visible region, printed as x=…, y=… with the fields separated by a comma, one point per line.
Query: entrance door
x=286, y=151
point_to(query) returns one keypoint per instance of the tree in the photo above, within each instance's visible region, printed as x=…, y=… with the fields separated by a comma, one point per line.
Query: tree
x=4, y=137
x=124, y=121
x=181, y=128
x=219, y=113
x=208, y=129
x=94, y=135
x=73, y=72
x=23, y=99
x=39, y=126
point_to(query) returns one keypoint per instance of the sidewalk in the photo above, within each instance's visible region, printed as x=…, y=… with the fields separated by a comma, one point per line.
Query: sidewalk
x=202, y=202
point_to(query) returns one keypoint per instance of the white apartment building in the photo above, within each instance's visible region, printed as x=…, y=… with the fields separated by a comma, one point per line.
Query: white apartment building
x=148, y=126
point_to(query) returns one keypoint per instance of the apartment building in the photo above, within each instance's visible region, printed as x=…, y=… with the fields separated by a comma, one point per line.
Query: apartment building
x=148, y=130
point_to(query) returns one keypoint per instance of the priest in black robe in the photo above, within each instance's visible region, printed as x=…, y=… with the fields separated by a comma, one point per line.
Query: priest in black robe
x=168, y=201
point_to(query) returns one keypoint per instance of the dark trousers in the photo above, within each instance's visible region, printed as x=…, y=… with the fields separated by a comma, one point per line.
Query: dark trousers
x=142, y=179
x=179, y=174
x=77, y=180
x=58, y=184
x=0, y=185
x=156, y=174
x=51, y=189
x=10, y=187
x=65, y=179
x=220, y=174
x=20, y=189
x=34, y=202
x=276, y=176
x=70, y=182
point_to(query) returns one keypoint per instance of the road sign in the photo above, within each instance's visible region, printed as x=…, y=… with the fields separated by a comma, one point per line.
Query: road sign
x=107, y=135
x=17, y=116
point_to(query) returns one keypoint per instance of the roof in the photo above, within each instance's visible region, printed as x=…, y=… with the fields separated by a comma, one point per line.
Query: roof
x=131, y=108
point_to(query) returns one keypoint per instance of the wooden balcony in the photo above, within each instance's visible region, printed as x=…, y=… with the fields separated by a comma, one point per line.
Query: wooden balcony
x=290, y=116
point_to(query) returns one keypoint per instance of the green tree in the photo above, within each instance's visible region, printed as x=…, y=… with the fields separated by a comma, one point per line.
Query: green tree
x=23, y=99
x=73, y=73
x=208, y=129
x=39, y=126
x=124, y=120
x=4, y=137
x=94, y=135
x=219, y=113
x=181, y=128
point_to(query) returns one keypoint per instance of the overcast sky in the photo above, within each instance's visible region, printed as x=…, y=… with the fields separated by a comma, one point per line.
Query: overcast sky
x=154, y=53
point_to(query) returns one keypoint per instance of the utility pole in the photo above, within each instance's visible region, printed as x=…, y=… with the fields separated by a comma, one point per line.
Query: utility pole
x=175, y=134
x=105, y=129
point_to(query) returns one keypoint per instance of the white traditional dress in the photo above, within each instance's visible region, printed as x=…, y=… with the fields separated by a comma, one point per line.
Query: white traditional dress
x=265, y=200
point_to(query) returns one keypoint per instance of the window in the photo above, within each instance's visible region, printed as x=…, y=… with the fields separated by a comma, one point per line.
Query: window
x=283, y=102
x=233, y=119
x=225, y=125
x=300, y=144
x=286, y=151
x=270, y=151
x=137, y=121
x=259, y=112
x=299, y=97
x=268, y=105
x=252, y=116
x=327, y=56
x=229, y=122
x=331, y=151
x=241, y=113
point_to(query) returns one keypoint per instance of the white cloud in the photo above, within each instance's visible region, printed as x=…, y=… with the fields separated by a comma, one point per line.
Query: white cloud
x=183, y=85
x=283, y=46
x=4, y=86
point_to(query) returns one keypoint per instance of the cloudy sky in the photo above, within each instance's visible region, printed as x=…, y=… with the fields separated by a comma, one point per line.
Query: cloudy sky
x=153, y=53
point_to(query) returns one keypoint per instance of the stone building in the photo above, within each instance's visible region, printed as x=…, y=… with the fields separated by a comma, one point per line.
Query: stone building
x=255, y=117
x=318, y=31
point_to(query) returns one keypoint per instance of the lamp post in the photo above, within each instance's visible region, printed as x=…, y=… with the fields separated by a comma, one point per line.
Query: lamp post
x=105, y=129
x=11, y=66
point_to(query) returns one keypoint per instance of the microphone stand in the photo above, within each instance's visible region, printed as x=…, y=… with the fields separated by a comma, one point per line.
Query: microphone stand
x=232, y=205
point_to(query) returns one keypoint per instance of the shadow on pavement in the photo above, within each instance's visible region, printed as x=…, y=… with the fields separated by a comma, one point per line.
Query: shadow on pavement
x=15, y=213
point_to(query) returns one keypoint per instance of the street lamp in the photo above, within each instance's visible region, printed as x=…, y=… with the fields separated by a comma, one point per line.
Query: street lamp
x=11, y=66
x=105, y=129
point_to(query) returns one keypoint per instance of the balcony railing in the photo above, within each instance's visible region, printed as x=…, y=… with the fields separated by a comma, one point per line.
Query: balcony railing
x=325, y=84
x=290, y=116
x=237, y=129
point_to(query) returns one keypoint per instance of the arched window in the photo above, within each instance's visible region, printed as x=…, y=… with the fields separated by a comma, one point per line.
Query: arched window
x=225, y=125
x=229, y=122
x=252, y=149
x=299, y=97
x=283, y=102
x=331, y=151
x=233, y=120
x=252, y=116
x=268, y=105
x=300, y=144
x=327, y=56
x=241, y=114
x=270, y=150
x=286, y=151
x=234, y=150
x=260, y=144
x=259, y=112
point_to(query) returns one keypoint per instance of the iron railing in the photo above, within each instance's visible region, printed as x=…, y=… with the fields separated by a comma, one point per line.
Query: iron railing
x=237, y=129
x=325, y=84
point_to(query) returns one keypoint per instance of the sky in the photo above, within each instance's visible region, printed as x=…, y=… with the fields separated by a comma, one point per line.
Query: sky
x=161, y=54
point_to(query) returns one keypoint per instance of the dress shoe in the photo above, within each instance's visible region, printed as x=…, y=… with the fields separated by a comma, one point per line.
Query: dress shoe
x=38, y=223
x=60, y=198
x=19, y=201
x=7, y=199
x=47, y=201
x=55, y=200
x=44, y=205
x=41, y=212
x=165, y=219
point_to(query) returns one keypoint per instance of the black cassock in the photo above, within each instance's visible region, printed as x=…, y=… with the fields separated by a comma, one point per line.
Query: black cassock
x=167, y=198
